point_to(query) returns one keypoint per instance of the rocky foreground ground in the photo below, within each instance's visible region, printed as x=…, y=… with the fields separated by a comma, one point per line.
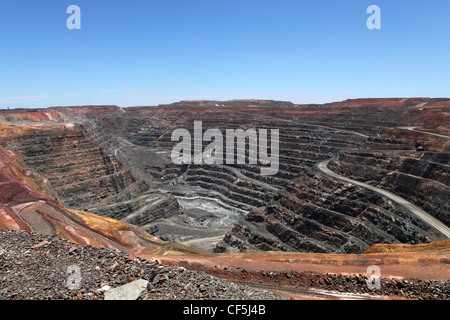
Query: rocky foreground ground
x=47, y=267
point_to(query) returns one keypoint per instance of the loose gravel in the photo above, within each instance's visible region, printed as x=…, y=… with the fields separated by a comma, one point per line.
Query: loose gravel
x=39, y=267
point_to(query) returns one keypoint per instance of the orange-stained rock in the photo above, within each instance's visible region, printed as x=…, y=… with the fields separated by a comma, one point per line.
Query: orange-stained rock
x=25, y=206
x=438, y=246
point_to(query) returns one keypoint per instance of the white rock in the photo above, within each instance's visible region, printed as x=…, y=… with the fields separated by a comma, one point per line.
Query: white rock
x=130, y=291
x=104, y=288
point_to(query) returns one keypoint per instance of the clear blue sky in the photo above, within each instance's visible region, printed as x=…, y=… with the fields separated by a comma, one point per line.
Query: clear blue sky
x=152, y=52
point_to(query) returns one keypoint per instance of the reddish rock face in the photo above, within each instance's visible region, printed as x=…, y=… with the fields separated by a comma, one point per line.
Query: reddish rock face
x=25, y=206
x=37, y=116
x=383, y=103
x=85, y=111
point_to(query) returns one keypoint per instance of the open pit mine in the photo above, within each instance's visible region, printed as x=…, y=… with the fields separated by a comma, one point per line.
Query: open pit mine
x=358, y=183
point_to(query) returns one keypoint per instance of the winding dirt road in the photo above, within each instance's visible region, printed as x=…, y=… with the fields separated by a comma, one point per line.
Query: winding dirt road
x=418, y=212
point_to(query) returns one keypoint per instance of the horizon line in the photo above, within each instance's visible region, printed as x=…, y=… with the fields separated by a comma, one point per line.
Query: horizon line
x=212, y=100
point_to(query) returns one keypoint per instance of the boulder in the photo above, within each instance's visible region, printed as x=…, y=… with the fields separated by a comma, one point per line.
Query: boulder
x=130, y=291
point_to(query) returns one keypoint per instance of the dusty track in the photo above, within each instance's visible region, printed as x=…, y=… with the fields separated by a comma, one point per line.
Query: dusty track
x=421, y=265
x=307, y=275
